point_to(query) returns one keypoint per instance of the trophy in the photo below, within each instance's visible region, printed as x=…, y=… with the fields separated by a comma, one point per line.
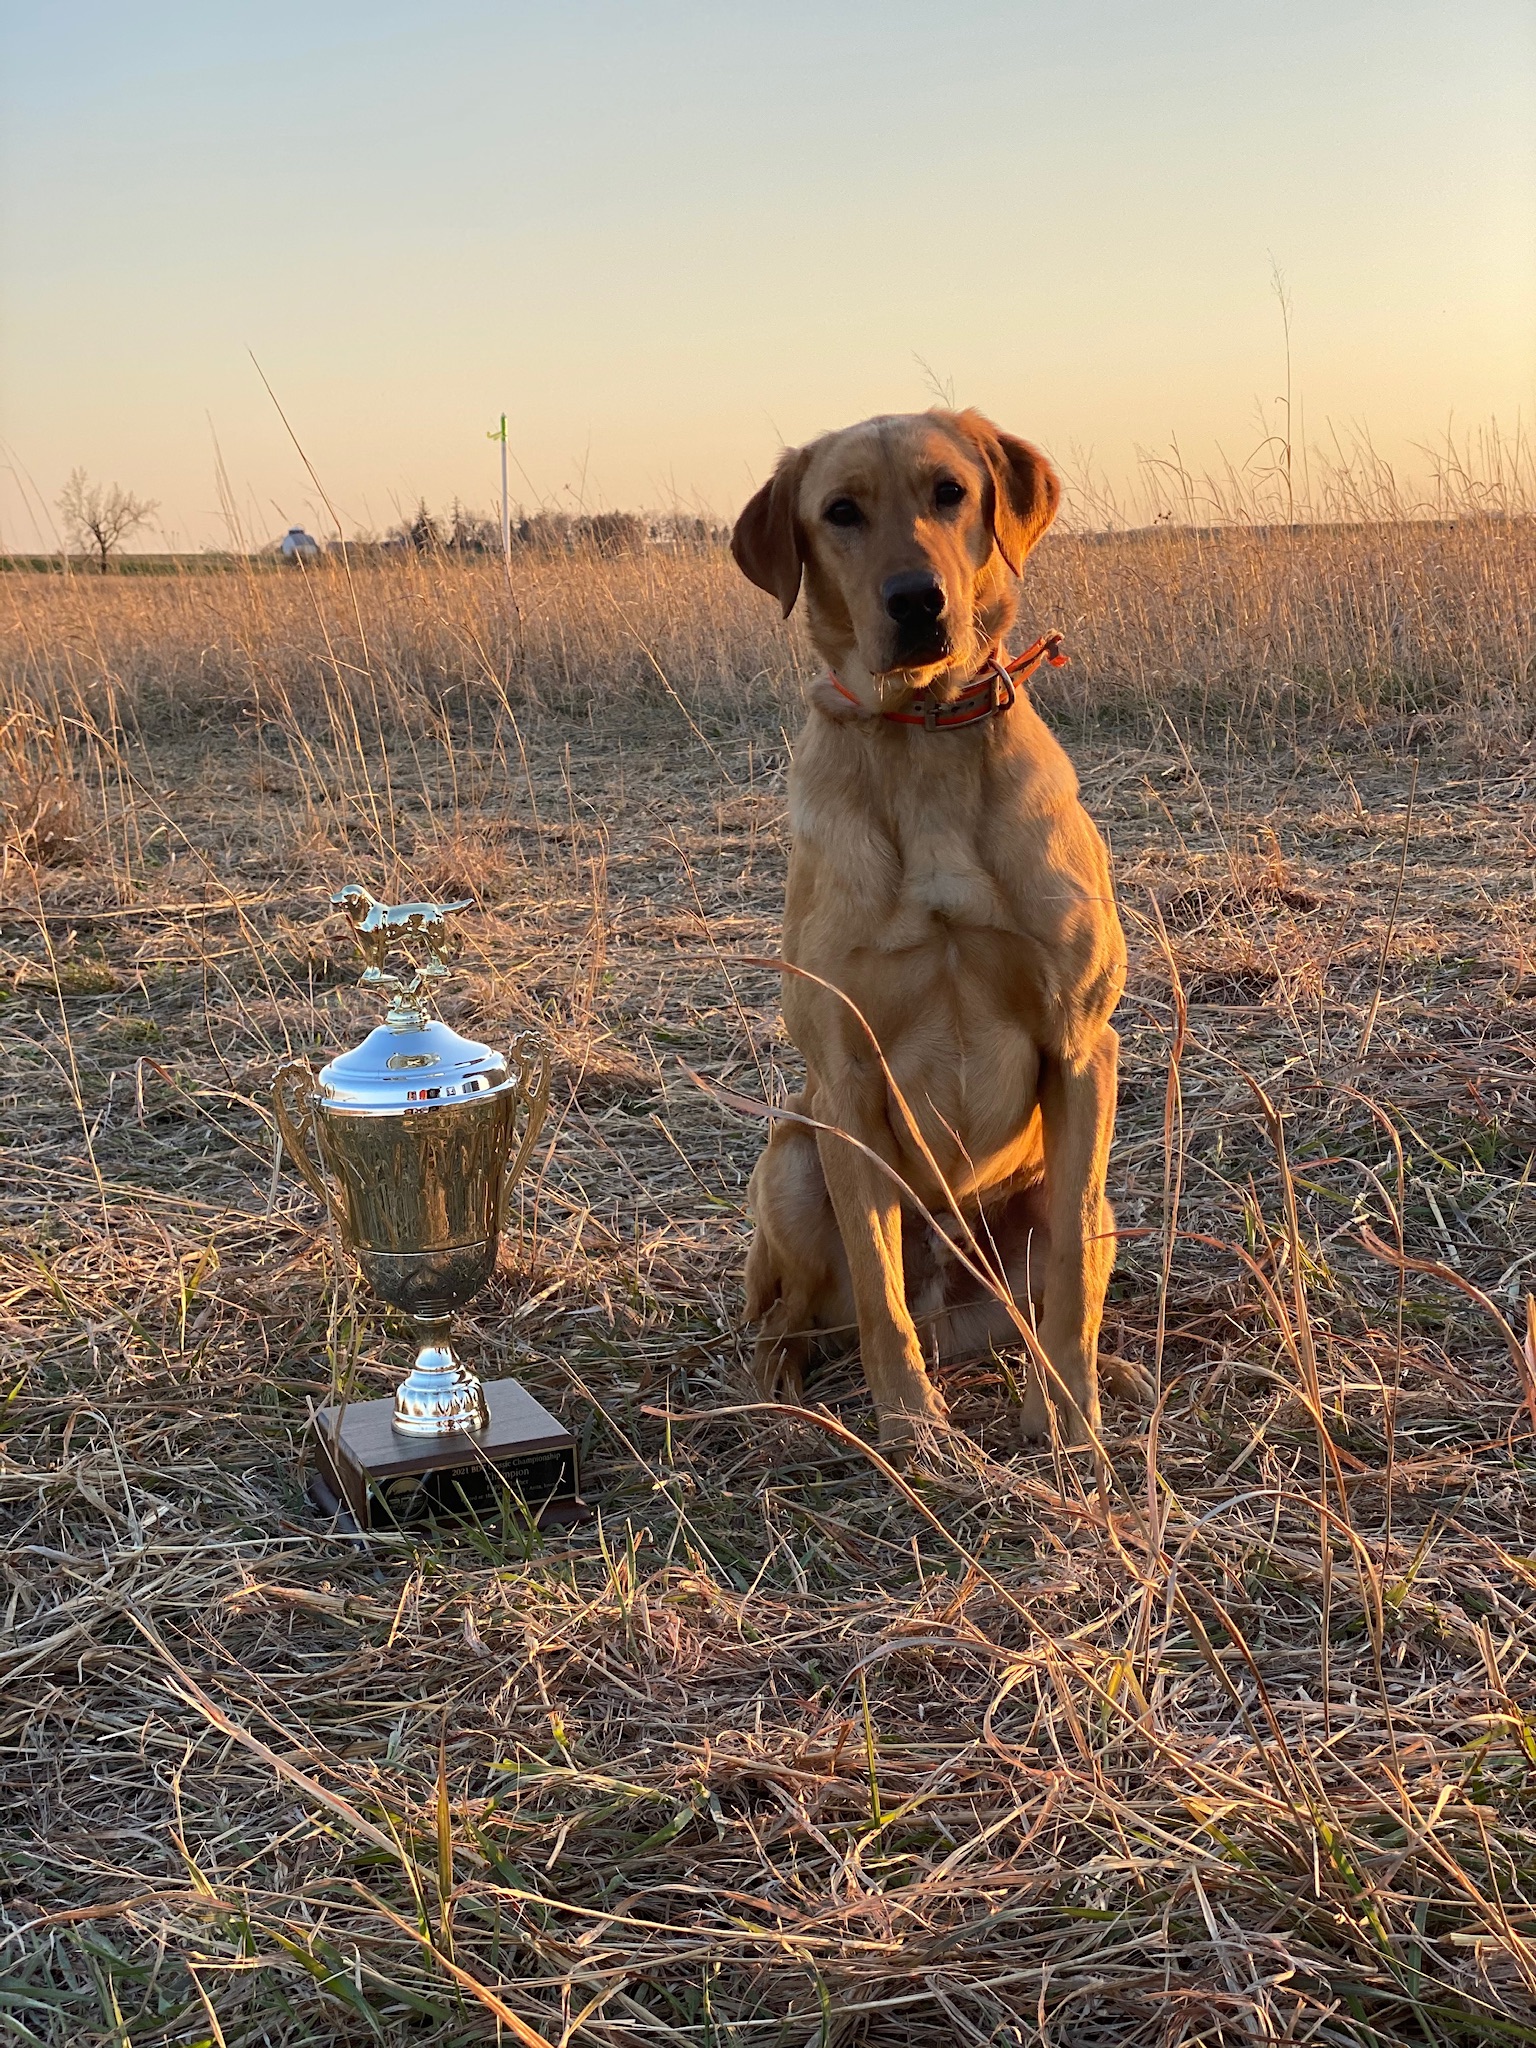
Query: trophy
x=412, y=1140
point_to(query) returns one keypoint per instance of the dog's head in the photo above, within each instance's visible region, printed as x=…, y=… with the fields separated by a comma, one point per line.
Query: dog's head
x=354, y=901
x=907, y=532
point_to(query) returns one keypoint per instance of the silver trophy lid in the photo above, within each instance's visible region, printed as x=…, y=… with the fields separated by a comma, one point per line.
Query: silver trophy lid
x=412, y=1060
x=425, y=1066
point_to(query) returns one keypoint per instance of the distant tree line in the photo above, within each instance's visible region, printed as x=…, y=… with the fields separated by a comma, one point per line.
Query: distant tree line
x=99, y=518
x=462, y=532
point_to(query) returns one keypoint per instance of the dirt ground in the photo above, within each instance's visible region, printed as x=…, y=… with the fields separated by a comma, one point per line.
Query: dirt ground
x=776, y=1749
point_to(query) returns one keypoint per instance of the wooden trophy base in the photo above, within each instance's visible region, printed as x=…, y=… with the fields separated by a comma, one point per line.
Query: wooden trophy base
x=369, y=1474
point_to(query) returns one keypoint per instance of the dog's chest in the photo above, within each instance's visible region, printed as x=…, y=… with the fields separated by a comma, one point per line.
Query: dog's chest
x=917, y=863
x=940, y=886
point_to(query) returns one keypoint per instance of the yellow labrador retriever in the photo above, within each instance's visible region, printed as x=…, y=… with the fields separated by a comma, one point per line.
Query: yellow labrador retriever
x=945, y=878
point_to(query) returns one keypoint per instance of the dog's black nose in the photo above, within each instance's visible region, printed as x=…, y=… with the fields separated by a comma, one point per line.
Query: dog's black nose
x=914, y=599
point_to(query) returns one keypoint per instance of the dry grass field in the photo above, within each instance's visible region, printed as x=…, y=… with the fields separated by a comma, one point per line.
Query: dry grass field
x=783, y=1748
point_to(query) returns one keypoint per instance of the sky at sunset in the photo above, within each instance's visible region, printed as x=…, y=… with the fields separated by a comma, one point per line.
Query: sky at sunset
x=667, y=237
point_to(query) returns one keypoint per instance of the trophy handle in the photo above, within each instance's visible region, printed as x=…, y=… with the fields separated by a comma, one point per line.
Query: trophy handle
x=530, y=1056
x=292, y=1104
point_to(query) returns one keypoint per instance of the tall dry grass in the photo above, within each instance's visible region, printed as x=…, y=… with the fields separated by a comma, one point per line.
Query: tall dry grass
x=402, y=639
x=1372, y=604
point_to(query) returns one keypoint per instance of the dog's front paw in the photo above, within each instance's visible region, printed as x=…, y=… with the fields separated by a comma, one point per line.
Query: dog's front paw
x=921, y=1412
x=1070, y=1411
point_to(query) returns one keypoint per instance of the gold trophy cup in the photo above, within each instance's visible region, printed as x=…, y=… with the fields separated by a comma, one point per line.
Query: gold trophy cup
x=413, y=1140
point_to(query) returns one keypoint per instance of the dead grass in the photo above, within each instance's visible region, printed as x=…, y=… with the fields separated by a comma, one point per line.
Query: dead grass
x=1428, y=625
x=41, y=805
x=781, y=1751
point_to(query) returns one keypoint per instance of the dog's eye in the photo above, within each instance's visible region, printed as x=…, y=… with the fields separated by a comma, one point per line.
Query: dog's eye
x=842, y=512
x=948, y=493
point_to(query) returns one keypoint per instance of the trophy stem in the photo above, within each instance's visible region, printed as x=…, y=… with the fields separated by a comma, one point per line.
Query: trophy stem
x=438, y=1397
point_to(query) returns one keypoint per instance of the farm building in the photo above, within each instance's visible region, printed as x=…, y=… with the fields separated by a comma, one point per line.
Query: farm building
x=298, y=546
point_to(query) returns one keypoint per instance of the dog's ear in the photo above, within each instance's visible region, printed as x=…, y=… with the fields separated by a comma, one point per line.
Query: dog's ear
x=766, y=538
x=1025, y=488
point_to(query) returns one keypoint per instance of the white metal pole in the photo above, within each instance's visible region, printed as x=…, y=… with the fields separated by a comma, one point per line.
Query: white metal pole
x=506, y=518
x=506, y=512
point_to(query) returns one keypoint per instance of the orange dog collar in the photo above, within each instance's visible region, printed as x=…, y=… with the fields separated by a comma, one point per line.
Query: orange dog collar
x=991, y=692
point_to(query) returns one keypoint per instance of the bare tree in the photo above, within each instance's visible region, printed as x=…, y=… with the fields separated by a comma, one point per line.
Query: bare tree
x=99, y=517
